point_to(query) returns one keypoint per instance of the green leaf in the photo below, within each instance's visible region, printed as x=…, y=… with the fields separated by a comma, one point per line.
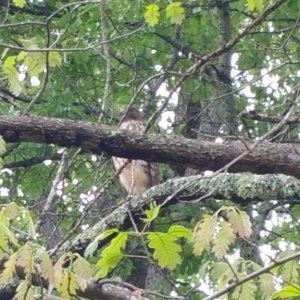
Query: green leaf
x=11, y=210
x=287, y=291
x=93, y=246
x=179, y=231
x=296, y=210
x=107, y=233
x=19, y=3
x=2, y=150
x=54, y=59
x=151, y=213
x=267, y=285
x=5, y=231
x=245, y=291
x=15, y=85
x=175, y=13
x=290, y=272
x=152, y=14
x=2, y=145
x=255, y=5
x=165, y=249
x=111, y=255
x=218, y=269
x=108, y=262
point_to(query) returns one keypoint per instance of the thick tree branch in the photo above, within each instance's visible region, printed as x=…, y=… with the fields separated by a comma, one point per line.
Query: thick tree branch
x=241, y=188
x=94, y=290
x=201, y=155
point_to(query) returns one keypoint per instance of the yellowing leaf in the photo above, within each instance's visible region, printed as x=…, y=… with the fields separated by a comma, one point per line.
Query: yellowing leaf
x=19, y=3
x=25, y=259
x=47, y=270
x=63, y=287
x=11, y=210
x=4, y=247
x=58, y=271
x=255, y=5
x=2, y=145
x=54, y=59
x=267, y=285
x=24, y=291
x=165, y=249
x=179, y=231
x=223, y=239
x=152, y=14
x=84, y=272
x=111, y=255
x=175, y=12
x=203, y=234
x=82, y=268
x=290, y=272
x=240, y=222
x=73, y=285
x=9, y=269
x=5, y=232
x=287, y=292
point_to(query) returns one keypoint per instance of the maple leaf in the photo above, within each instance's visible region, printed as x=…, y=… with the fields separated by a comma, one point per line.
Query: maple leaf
x=152, y=14
x=19, y=3
x=175, y=13
x=255, y=4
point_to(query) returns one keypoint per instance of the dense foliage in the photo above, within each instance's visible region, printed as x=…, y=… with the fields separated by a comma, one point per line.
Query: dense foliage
x=212, y=71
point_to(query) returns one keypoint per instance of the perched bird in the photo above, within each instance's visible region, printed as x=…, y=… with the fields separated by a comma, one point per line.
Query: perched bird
x=136, y=176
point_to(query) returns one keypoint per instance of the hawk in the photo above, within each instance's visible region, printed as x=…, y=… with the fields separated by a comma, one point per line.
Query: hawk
x=136, y=176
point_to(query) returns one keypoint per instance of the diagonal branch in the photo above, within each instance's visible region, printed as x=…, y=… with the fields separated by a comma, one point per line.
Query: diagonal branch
x=264, y=158
x=256, y=188
x=253, y=275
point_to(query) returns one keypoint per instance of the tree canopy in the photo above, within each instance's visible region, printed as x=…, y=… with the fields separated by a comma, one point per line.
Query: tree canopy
x=218, y=84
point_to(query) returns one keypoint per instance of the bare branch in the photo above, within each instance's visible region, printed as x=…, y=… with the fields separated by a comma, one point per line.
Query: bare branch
x=253, y=275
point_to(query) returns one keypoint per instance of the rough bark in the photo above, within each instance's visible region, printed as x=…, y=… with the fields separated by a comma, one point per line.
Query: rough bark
x=201, y=155
x=94, y=290
x=241, y=188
